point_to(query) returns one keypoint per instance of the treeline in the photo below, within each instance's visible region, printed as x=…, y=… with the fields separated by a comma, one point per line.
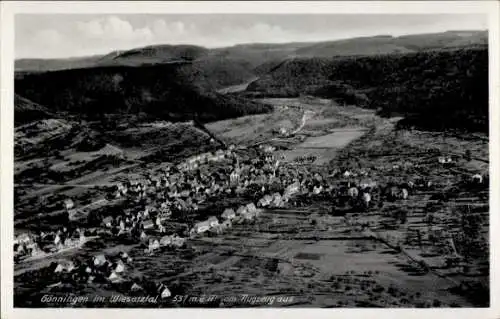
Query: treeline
x=433, y=89
x=160, y=91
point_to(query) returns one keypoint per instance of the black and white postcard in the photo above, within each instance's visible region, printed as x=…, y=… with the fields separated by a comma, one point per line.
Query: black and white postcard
x=254, y=155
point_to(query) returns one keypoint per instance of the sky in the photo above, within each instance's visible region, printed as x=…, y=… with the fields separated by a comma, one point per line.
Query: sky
x=70, y=35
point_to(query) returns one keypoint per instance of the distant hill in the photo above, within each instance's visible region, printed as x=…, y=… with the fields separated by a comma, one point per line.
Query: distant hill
x=40, y=65
x=389, y=44
x=154, y=55
x=357, y=46
x=175, y=82
x=219, y=67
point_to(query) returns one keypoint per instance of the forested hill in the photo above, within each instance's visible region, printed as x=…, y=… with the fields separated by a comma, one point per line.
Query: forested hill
x=155, y=91
x=414, y=75
x=216, y=68
x=434, y=88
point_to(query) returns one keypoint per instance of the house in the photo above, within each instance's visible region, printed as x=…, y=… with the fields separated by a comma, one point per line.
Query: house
x=148, y=224
x=23, y=238
x=268, y=198
x=114, y=278
x=292, y=189
x=107, y=221
x=166, y=240
x=317, y=189
x=217, y=229
x=276, y=200
x=64, y=266
x=269, y=149
x=119, y=266
x=123, y=255
x=228, y=214
x=364, y=184
x=99, y=260
x=213, y=221
x=241, y=210
x=135, y=287
x=158, y=221
x=353, y=192
x=404, y=193
x=74, y=214
x=178, y=241
x=251, y=207
x=163, y=291
x=234, y=177
x=367, y=199
x=57, y=239
x=227, y=224
x=184, y=193
x=201, y=227
x=247, y=215
x=262, y=203
x=153, y=244
x=68, y=204
x=68, y=242
x=219, y=152
x=20, y=248
x=477, y=178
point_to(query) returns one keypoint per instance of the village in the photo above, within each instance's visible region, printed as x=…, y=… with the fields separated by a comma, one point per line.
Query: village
x=207, y=194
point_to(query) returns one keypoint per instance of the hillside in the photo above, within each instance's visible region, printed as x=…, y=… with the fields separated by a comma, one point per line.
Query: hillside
x=173, y=82
x=27, y=111
x=154, y=55
x=219, y=67
x=154, y=91
x=444, y=88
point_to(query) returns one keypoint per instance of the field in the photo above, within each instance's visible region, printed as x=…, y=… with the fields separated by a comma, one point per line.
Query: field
x=309, y=254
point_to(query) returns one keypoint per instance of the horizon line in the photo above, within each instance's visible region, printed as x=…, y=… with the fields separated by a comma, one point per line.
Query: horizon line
x=249, y=43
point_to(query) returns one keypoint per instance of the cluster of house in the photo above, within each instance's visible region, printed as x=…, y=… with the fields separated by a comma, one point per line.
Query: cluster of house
x=229, y=216
x=171, y=241
x=278, y=200
x=31, y=245
x=267, y=148
x=445, y=159
x=100, y=268
x=302, y=159
x=104, y=269
x=193, y=162
x=148, y=218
